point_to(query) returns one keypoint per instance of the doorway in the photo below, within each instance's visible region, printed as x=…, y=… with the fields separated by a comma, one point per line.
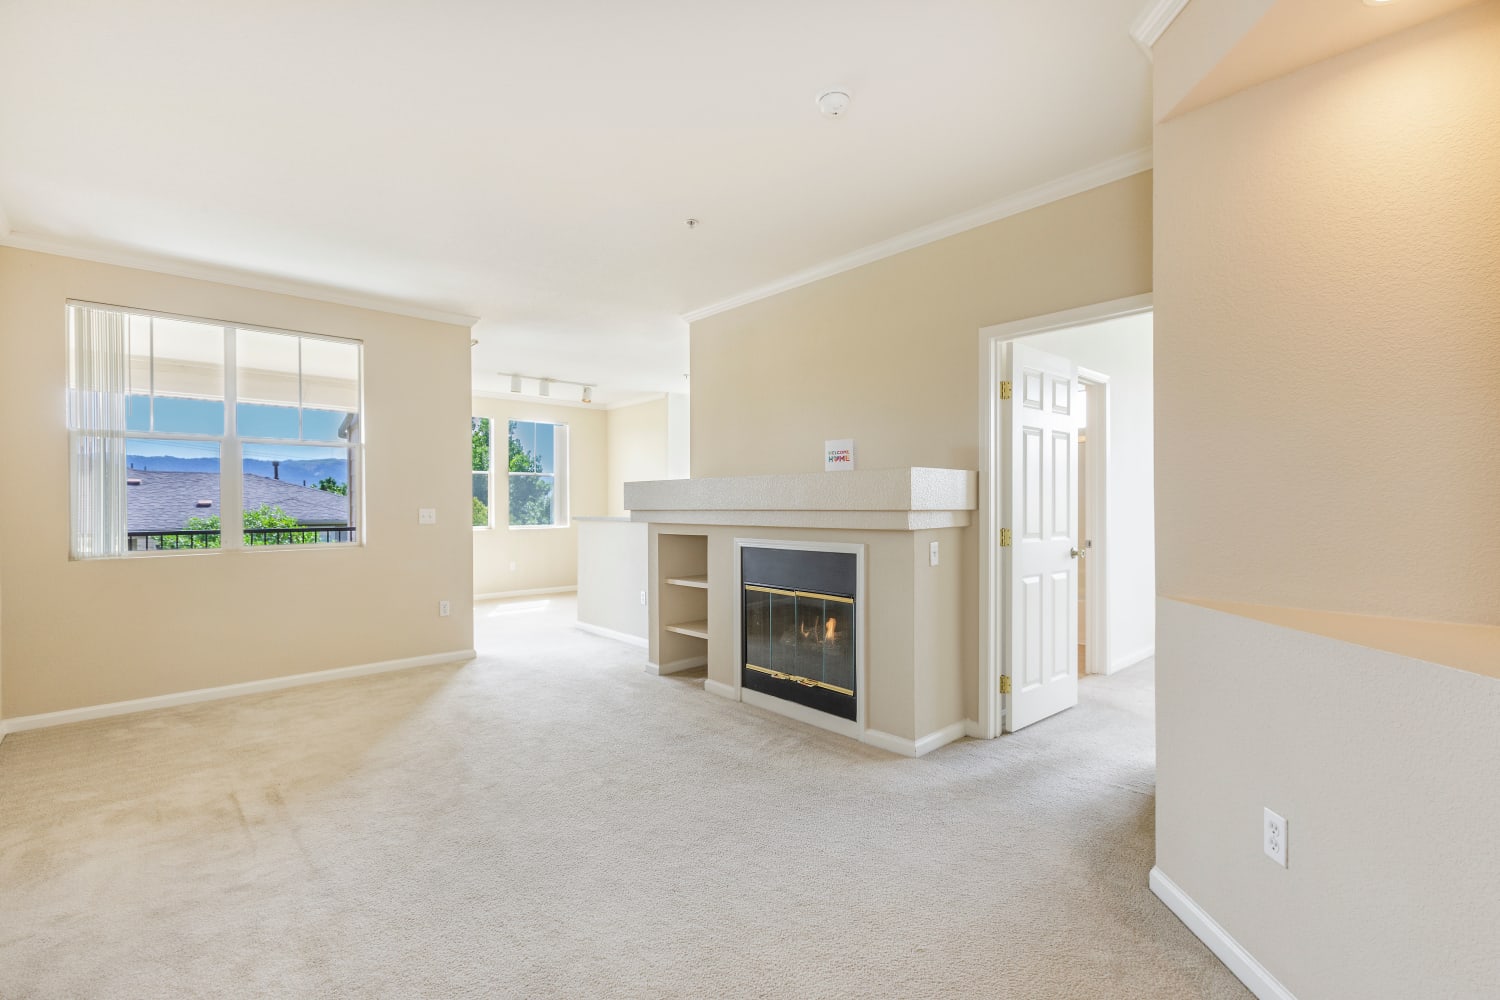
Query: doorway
x=1067, y=508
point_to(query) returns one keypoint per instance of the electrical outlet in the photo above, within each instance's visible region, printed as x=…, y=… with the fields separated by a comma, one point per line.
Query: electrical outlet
x=1274, y=838
x=444, y=608
x=932, y=554
x=512, y=565
x=427, y=515
x=643, y=598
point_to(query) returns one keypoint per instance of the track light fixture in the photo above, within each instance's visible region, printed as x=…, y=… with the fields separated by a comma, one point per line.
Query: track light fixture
x=545, y=384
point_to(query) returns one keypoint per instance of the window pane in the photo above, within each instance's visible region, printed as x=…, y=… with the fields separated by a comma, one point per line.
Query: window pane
x=187, y=376
x=297, y=495
x=545, y=447
x=172, y=494
x=266, y=366
x=481, y=499
x=531, y=499
x=137, y=412
x=326, y=425
x=479, y=436
x=330, y=377
x=140, y=355
x=256, y=420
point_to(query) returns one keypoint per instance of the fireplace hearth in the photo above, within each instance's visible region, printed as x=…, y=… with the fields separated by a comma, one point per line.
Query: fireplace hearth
x=798, y=640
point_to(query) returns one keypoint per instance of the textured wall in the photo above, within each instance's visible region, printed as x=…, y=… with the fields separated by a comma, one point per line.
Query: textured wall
x=638, y=439
x=1328, y=333
x=1384, y=767
x=1327, y=375
x=87, y=633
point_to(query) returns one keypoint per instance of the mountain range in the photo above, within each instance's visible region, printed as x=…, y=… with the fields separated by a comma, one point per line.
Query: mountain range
x=305, y=472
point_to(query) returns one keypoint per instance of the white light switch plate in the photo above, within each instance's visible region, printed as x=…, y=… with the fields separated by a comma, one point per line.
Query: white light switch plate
x=427, y=515
x=932, y=554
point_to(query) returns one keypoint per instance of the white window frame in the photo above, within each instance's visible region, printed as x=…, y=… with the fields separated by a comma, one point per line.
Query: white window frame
x=490, y=472
x=560, y=477
x=231, y=485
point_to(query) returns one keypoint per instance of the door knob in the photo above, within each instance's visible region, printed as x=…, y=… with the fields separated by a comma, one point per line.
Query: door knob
x=1077, y=553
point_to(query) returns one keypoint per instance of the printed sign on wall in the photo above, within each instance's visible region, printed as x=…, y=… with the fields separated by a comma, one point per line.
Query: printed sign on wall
x=838, y=456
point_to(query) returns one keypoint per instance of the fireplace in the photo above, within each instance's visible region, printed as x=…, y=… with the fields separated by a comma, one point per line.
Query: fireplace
x=798, y=627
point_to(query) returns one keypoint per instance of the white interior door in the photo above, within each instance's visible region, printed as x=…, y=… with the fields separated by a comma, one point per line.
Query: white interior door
x=1039, y=457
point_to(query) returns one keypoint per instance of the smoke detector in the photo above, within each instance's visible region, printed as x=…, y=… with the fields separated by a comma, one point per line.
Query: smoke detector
x=833, y=103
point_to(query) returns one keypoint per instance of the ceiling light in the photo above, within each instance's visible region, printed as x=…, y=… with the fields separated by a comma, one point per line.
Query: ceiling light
x=588, y=394
x=833, y=103
x=544, y=387
x=515, y=383
x=693, y=223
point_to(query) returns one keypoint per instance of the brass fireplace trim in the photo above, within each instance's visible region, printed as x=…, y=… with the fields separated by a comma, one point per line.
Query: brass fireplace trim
x=800, y=593
x=804, y=681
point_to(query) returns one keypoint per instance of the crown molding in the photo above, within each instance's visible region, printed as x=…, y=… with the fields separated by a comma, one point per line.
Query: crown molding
x=1098, y=175
x=145, y=261
x=1151, y=23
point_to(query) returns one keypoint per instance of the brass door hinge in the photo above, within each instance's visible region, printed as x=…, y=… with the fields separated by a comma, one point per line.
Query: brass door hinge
x=1004, y=390
x=1005, y=538
x=1005, y=683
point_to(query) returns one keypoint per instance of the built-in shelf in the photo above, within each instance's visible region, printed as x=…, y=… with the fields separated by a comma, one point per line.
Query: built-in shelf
x=701, y=582
x=696, y=629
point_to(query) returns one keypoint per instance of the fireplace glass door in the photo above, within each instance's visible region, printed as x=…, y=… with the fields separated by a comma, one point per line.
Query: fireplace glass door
x=799, y=644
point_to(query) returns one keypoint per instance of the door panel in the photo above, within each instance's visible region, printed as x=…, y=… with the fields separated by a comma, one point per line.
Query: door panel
x=1039, y=463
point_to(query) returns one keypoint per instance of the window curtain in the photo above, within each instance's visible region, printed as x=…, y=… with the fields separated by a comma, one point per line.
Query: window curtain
x=98, y=384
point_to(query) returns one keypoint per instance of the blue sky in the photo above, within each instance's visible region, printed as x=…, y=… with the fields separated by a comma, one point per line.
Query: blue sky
x=176, y=414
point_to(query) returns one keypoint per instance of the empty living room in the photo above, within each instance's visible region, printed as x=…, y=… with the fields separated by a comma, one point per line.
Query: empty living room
x=782, y=501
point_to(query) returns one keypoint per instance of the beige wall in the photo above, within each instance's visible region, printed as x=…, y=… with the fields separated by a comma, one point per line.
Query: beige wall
x=1328, y=334
x=1328, y=366
x=508, y=559
x=612, y=586
x=887, y=353
x=637, y=448
x=77, y=634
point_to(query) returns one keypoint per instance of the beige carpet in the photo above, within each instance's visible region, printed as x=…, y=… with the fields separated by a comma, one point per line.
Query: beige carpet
x=550, y=821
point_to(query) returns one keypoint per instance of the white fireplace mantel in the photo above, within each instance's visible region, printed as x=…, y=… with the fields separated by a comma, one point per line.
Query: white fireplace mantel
x=909, y=499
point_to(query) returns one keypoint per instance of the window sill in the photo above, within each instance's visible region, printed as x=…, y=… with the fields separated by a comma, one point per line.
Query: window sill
x=538, y=527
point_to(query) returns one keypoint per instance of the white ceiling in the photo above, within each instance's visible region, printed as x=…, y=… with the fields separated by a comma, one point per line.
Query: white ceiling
x=533, y=164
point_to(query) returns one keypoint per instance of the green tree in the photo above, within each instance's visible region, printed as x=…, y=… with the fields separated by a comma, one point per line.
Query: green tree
x=479, y=441
x=330, y=485
x=481, y=514
x=530, y=495
x=264, y=516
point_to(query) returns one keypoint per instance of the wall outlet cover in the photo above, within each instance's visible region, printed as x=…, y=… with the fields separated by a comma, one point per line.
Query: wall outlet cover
x=427, y=515
x=444, y=609
x=1274, y=837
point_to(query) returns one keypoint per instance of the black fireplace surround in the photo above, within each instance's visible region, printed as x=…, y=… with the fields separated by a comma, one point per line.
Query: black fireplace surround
x=798, y=627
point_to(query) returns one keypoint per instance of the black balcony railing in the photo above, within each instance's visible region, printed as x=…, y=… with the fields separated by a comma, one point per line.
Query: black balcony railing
x=169, y=541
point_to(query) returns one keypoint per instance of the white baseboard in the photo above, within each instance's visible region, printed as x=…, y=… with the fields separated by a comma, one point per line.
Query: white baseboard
x=63, y=718
x=972, y=730
x=609, y=633
x=501, y=595
x=677, y=666
x=1131, y=659
x=721, y=689
x=1235, y=958
x=914, y=748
